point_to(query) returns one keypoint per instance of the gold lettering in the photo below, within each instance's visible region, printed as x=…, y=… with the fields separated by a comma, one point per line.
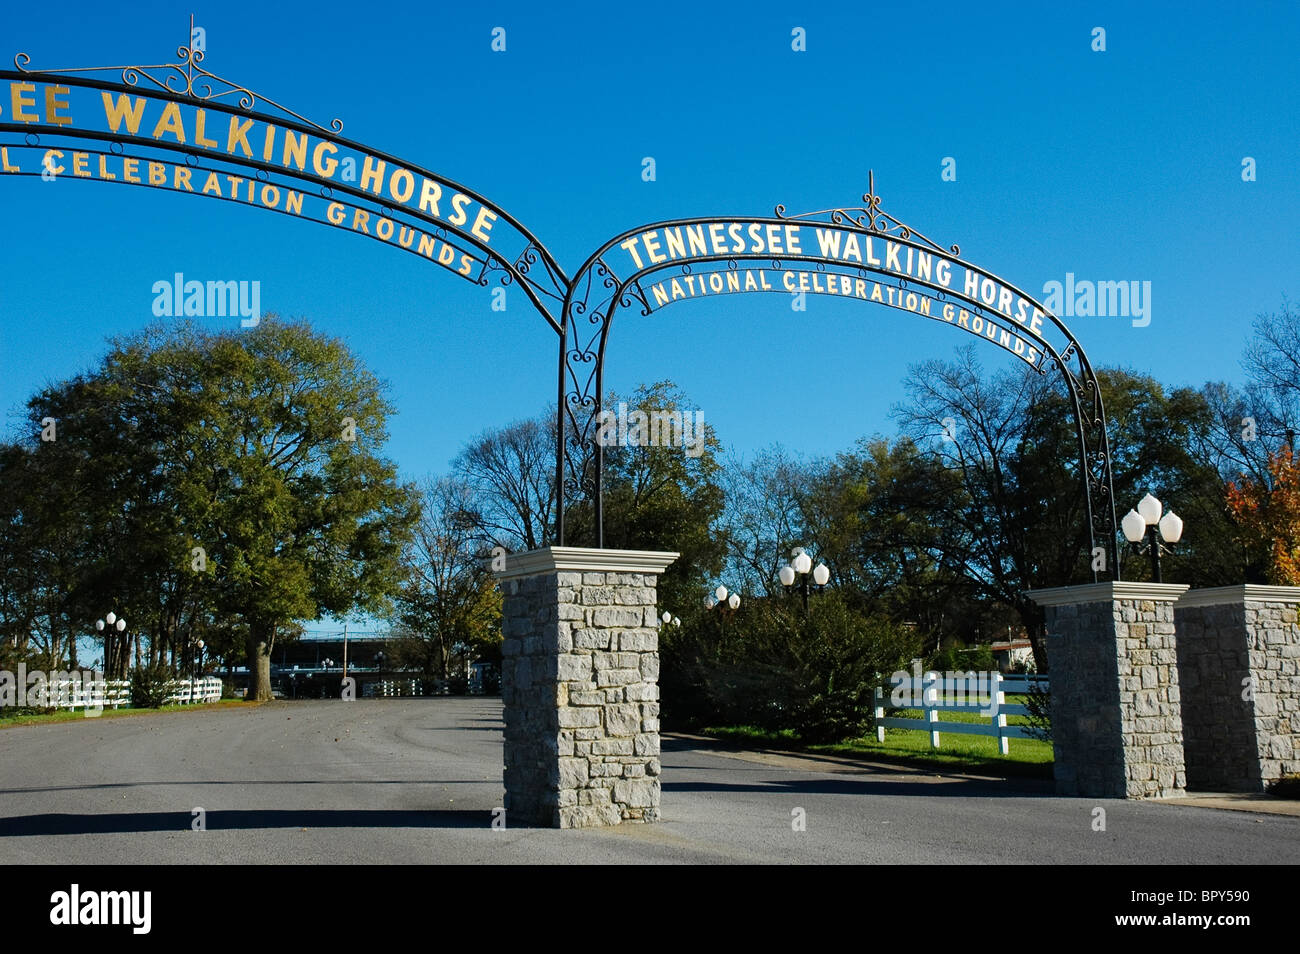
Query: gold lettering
x=483, y=225
x=17, y=101
x=430, y=193
x=124, y=109
x=295, y=148
x=372, y=174
x=170, y=121
x=200, y=127
x=79, y=161
x=403, y=192
x=325, y=167
x=459, y=203
x=238, y=135
x=52, y=106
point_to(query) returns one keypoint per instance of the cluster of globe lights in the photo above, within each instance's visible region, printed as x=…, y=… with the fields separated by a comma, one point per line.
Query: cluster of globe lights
x=720, y=596
x=1148, y=514
x=801, y=564
x=113, y=621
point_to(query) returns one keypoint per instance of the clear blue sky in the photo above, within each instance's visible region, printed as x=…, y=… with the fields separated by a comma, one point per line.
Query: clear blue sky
x=1117, y=165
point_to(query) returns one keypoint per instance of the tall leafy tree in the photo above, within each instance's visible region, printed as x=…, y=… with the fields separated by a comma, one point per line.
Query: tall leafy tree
x=302, y=516
x=202, y=477
x=1021, y=523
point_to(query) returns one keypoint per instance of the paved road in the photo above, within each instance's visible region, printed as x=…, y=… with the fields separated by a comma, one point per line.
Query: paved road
x=416, y=781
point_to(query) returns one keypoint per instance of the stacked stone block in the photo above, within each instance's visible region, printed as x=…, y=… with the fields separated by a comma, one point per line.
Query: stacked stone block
x=1239, y=657
x=580, y=673
x=1116, y=705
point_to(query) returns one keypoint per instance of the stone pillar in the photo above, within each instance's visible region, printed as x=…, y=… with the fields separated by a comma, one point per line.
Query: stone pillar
x=1116, y=722
x=1238, y=659
x=580, y=683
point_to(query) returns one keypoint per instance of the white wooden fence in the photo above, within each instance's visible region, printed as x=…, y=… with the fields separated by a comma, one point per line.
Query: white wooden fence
x=937, y=692
x=386, y=688
x=114, y=693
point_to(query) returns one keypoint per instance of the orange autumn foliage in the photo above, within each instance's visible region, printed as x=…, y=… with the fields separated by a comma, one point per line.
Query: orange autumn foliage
x=1271, y=515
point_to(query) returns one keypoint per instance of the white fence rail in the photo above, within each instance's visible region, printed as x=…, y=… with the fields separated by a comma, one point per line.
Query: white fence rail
x=952, y=692
x=196, y=691
x=388, y=688
x=114, y=693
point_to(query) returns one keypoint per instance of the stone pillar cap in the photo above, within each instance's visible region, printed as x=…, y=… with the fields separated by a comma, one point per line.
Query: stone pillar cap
x=1107, y=593
x=1241, y=593
x=584, y=560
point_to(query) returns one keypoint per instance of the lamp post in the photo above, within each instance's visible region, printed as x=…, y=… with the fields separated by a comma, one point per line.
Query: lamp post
x=669, y=618
x=719, y=599
x=202, y=645
x=800, y=568
x=1146, y=521
x=726, y=604
x=110, y=624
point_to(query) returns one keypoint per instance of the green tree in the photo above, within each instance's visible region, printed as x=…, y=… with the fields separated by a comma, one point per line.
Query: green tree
x=449, y=603
x=1020, y=522
x=201, y=477
x=299, y=514
x=663, y=497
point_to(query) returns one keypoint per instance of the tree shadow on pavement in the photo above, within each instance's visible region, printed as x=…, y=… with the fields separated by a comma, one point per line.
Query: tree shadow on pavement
x=240, y=820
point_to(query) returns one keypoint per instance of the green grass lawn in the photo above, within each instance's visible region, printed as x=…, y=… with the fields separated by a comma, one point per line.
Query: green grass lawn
x=71, y=715
x=1026, y=758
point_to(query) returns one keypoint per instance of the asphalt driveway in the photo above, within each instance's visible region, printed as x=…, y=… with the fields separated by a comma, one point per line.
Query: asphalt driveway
x=416, y=781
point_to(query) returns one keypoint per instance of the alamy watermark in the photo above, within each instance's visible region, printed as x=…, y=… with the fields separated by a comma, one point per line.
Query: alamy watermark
x=936, y=690
x=37, y=689
x=638, y=428
x=179, y=298
x=1083, y=298
x=75, y=906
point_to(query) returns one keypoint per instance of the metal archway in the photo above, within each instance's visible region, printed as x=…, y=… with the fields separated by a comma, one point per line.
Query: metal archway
x=664, y=262
x=46, y=134
x=40, y=137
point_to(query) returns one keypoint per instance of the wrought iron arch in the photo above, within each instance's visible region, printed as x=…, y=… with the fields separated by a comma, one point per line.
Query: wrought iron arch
x=586, y=304
x=599, y=290
x=186, y=83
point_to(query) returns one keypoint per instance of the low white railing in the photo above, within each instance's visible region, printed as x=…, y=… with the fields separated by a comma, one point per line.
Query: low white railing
x=197, y=691
x=937, y=692
x=387, y=688
x=114, y=693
